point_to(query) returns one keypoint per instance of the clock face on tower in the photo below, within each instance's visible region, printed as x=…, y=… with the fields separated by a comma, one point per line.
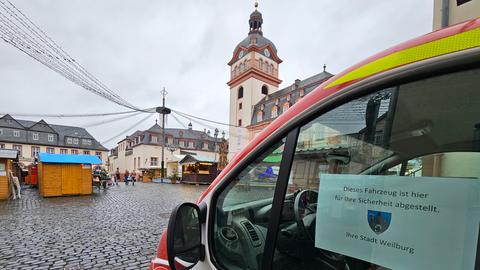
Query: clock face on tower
x=240, y=55
x=266, y=52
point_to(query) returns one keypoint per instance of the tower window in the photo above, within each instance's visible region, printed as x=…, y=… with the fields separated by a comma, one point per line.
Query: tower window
x=239, y=122
x=240, y=92
x=240, y=106
x=264, y=90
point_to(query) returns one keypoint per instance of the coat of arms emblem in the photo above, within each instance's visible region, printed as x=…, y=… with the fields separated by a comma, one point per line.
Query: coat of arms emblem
x=379, y=221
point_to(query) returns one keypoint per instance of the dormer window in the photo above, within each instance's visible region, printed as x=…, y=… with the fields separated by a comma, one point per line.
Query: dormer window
x=69, y=140
x=285, y=107
x=35, y=136
x=87, y=142
x=259, y=116
x=274, y=111
x=75, y=140
x=50, y=137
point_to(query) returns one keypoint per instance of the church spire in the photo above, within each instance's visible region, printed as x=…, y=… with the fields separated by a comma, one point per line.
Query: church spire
x=256, y=21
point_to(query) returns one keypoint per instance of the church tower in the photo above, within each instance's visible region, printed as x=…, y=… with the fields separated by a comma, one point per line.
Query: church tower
x=253, y=75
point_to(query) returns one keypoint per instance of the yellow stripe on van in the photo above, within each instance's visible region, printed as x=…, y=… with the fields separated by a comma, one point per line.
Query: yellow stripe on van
x=454, y=43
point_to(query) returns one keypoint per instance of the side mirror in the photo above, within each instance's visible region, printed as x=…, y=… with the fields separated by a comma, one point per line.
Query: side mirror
x=184, y=237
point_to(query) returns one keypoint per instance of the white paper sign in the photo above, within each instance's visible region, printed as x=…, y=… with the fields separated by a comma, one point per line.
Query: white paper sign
x=400, y=222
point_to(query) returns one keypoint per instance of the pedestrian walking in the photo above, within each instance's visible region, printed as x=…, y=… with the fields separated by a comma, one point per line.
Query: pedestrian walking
x=117, y=176
x=134, y=177
x=127, y=175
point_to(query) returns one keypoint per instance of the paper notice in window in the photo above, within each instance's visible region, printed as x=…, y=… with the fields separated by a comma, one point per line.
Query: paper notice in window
x=400, y=222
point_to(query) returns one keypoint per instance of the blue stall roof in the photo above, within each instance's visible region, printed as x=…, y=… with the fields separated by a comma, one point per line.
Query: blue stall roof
x=69, y=159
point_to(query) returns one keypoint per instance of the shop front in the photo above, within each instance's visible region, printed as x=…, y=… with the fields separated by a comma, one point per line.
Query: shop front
x=8, y=160
x=198, y=170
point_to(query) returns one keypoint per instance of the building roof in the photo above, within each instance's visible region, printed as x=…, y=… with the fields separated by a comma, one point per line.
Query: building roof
x=196, y=158
x=69, y=159
x=177, y=133
x=260, y=41
x=8, y=153
x=269, y=101
x=61, y=130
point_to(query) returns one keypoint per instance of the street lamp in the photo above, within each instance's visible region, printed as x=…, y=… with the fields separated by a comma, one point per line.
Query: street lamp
x=163, y=111
x=215, y=145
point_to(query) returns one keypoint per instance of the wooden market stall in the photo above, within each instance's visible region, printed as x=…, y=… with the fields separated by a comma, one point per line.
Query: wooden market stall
x=60, y=175
x=198, y=170
x=7, y=159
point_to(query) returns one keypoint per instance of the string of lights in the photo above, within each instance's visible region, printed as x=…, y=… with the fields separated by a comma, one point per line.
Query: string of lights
x=127, y=130
x=19, y=31
x=46, y=115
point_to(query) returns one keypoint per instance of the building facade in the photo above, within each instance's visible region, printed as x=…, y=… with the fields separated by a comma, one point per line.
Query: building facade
x=255, y=97
x=142, y=150
x=30, y=138
x=449, y=12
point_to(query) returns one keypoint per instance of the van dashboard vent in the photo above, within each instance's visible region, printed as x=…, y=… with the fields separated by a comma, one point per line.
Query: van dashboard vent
x=252, y=232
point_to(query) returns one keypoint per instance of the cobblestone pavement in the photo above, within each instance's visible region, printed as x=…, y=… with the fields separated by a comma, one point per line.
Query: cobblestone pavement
x=114, y=229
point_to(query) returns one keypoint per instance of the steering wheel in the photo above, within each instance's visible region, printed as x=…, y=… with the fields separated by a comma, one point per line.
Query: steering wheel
x=305, y=210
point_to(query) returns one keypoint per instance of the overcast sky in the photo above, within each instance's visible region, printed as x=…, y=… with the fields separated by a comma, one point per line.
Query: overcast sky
x=138, y=46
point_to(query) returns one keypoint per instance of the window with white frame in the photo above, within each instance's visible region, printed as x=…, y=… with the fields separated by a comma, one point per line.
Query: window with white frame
x=50, y=137
x=285, y=106
x=154, y=139
x=35, y=136
x=191, y=145
x=87, y=153
x=74, y=152
x=16, y=133
x=75, y=140
x=69, y=140
x=35, y=151
x=153, y=161
x=86, y=141
x=64, y=151
x=50, y=150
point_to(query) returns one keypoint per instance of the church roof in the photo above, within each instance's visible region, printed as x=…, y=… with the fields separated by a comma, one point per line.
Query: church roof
x=260, y=41
x=279, y=97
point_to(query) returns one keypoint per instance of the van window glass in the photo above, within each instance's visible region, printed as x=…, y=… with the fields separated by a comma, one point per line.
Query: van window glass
x=388, y=181
x=242, y=212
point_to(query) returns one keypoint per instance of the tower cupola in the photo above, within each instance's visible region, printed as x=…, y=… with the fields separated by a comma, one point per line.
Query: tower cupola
x=256, y=21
